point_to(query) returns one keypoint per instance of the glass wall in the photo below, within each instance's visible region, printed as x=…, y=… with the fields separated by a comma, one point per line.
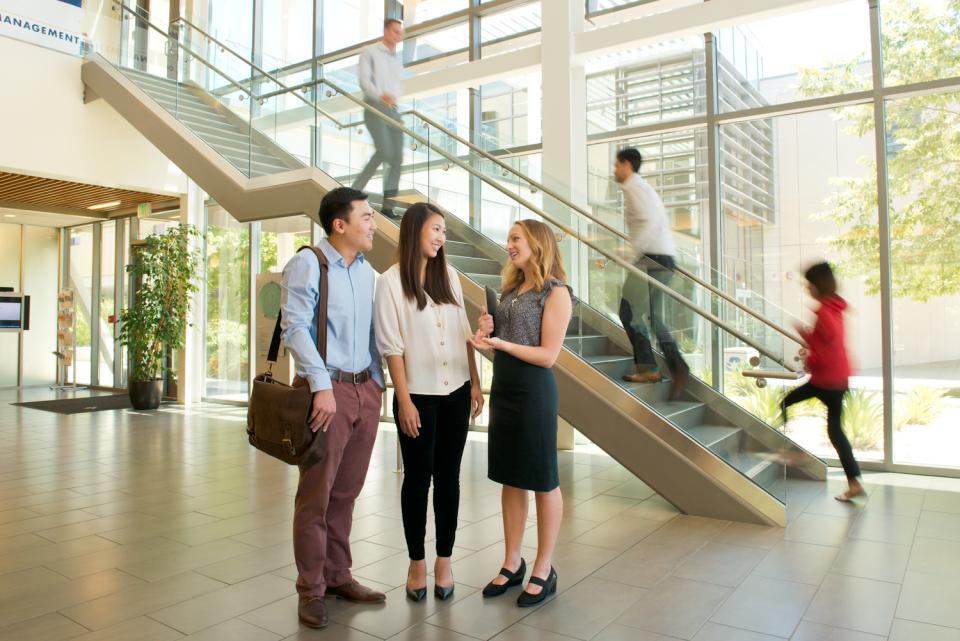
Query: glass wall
x=923, y=156
x=80, y=279
x=227, y=306
x=108, y=302
x=795, y=186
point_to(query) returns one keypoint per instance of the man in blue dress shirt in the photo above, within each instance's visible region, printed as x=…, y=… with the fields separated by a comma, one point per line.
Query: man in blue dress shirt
x=347, y=388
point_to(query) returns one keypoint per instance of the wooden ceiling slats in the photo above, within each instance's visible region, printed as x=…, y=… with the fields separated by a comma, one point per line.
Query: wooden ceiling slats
x=64, y=194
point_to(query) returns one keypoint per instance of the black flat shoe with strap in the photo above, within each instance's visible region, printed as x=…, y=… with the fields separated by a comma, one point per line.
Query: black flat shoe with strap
x=548, y=586
x=513, y=579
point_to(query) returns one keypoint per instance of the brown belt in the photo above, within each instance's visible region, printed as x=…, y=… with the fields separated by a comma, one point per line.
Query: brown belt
x=356, y=378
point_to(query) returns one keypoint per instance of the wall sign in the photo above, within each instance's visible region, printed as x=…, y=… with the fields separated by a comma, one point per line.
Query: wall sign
x=55, y=24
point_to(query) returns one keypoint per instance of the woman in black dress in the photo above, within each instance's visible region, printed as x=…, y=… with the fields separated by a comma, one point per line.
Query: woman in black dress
x=527, y=332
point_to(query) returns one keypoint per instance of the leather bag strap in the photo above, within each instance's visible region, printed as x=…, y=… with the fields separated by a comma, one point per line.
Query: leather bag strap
x=321, y=318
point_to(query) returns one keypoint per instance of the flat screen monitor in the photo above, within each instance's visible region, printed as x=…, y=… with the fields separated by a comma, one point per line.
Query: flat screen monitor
x=11, y=312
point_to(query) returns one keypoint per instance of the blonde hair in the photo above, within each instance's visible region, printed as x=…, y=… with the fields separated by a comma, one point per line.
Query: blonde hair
x=545, y=260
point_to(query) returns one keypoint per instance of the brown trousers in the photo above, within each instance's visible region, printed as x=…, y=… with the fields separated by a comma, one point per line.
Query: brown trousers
x=323, y=511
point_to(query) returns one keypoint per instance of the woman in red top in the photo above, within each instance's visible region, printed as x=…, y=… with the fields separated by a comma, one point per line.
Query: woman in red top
x=829, y=367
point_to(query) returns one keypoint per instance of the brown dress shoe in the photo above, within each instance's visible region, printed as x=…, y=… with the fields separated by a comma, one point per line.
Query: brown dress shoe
x=313, y=613
x=356, y=593
x=644, y=377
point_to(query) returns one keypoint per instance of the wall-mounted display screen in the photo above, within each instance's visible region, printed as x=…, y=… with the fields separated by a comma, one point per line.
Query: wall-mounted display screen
x=11, y=312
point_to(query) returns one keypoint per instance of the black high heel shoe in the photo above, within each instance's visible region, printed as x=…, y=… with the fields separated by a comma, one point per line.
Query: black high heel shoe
x=443, y=593
x=513, y=579
x=417, y=594
x=548, y=587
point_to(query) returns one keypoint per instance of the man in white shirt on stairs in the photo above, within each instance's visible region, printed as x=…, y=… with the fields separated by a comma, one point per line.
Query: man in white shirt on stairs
x=654, y=252
x=380, y=72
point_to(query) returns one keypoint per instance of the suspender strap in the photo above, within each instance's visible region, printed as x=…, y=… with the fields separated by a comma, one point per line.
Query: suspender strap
x=321, y=318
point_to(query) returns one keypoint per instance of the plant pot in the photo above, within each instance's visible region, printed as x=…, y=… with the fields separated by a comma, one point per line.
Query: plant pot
x=145, y=395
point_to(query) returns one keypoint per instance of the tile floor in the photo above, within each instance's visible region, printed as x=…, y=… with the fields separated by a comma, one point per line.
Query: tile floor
x=152, y=526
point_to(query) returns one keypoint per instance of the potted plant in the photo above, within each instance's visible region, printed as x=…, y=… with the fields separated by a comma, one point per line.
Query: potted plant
x=165, y=270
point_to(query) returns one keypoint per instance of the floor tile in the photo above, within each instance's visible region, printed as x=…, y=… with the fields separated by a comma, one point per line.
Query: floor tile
x=935, y=556
x=676, y=608
x=885, y=528
x=220, y=605
x=478, y=617
x=646, y=564
x=768, y=606
x=940, y=501
x=617, y=632
x=750, y=535
x=232, y=630
x=49, y=627
x=873, y=560
x=586, y=608
x=808, y=631
x=140, y=600
x=619, y=533
x=818, y=529
x=855, y=603
x=523, y=632
x=914, y=631
x=142, y=629
x=797, y=562
x=715, y=632
x=333, y=632
x=939, y=525
x=930, y=598
x=720, y=563
x=427, y=632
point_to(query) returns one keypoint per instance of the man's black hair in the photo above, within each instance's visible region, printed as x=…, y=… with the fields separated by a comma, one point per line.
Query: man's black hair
x=338, y=203
x=631, y=156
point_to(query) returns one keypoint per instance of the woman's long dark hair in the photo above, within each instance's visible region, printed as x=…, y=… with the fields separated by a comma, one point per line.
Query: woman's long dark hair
x=436, y=283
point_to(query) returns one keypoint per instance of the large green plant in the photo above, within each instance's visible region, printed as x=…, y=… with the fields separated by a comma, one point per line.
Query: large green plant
x=166, y=268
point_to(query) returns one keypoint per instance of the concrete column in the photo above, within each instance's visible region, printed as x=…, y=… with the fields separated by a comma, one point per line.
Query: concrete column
x=563, y=103
x=190, y=359
x=563, y=119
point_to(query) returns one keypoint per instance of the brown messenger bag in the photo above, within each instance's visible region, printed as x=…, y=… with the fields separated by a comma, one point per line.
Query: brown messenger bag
x=278, y=414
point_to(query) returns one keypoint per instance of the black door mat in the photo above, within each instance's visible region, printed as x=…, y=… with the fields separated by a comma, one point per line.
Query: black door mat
x=81, y=405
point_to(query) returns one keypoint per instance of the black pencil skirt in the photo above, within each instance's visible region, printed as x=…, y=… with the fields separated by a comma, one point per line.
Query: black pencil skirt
x=522, y=439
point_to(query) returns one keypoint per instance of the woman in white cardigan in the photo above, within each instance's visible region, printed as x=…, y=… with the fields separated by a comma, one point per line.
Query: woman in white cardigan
x=423, y=332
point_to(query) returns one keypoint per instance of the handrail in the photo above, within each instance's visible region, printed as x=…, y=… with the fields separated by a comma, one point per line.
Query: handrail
x=189, y=52
x=488, y=156
x=533, y=208
x=254, y=66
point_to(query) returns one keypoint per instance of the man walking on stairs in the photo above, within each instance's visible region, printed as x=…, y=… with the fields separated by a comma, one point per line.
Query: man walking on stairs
x=654, y=252
x=380, y=78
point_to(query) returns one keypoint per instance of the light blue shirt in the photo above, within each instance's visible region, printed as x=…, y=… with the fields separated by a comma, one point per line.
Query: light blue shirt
x=351, y=346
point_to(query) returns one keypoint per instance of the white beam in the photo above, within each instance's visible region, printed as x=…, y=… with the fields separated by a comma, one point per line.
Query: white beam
x=684, y=21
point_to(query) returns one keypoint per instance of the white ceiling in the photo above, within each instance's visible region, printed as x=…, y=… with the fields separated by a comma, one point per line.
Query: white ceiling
x=42, y=219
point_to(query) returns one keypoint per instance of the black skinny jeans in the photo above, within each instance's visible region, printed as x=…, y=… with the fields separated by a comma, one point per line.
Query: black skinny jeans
x=833, y=399
x=436, y=454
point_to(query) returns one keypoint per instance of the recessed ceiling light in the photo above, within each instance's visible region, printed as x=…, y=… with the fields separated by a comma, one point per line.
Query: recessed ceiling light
x=9, y=215
x=112, y=203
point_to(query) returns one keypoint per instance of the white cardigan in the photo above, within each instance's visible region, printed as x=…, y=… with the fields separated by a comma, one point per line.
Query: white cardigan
x=432, y=340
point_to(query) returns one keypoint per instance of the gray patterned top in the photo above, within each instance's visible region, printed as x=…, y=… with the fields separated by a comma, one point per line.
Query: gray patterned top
x=518, y=318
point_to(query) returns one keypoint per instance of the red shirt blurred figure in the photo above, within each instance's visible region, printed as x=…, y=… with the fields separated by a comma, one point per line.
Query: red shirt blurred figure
x=826, y=357
x=829, y=367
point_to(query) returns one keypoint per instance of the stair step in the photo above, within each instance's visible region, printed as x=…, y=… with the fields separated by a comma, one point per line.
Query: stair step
x=587, y=344
x=722, y=440
x=684, y=414
x=459, y=248
x=475, y=265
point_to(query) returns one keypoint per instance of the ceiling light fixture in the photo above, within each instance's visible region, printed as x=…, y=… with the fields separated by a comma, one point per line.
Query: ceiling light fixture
x=9, y=215
x=112, y=203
